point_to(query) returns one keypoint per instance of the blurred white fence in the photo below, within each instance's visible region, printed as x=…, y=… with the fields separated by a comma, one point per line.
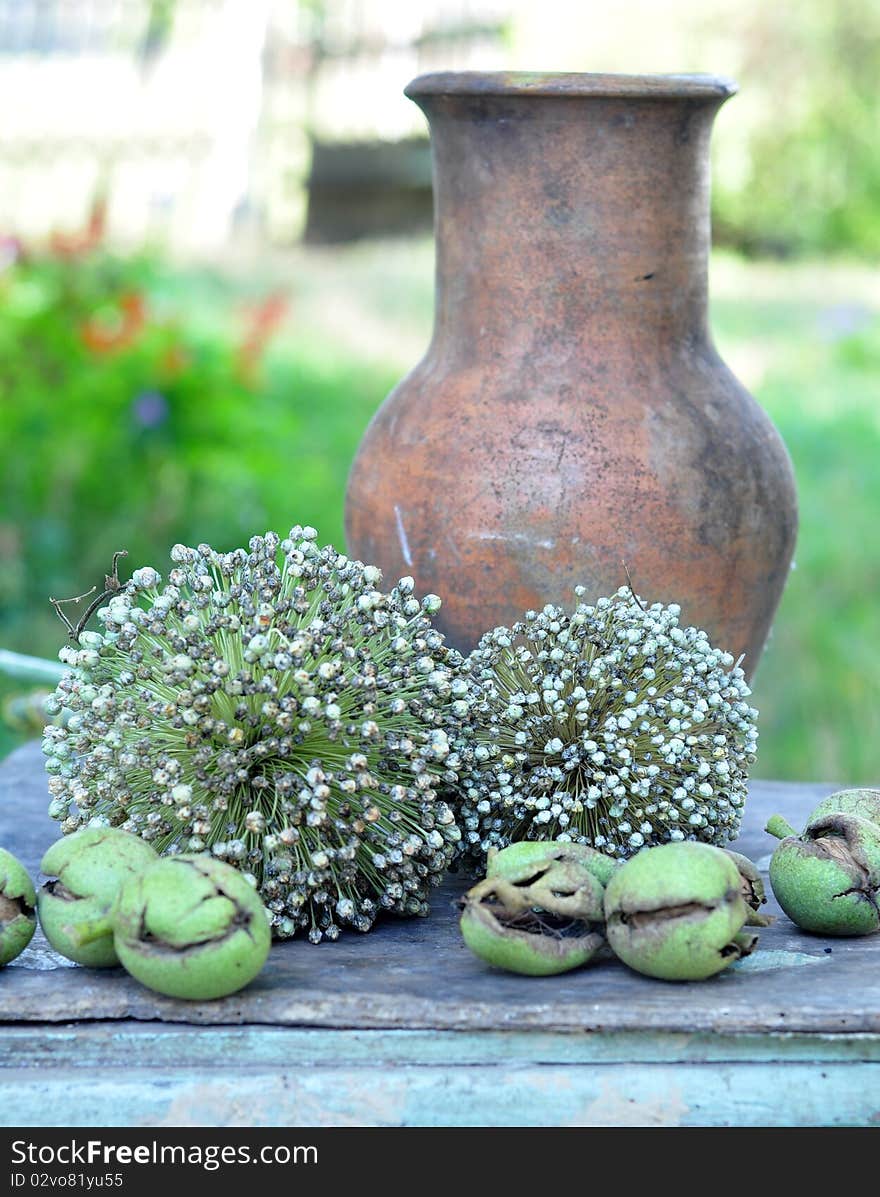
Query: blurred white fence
x=193, y=116
x=91, y=102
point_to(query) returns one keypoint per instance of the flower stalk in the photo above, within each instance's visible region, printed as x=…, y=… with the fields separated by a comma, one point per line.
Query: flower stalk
x=610, y=726
x=277, y=709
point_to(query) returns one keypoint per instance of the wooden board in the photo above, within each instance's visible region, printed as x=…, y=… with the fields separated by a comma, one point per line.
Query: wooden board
x=404, y=1025
x=417, y=973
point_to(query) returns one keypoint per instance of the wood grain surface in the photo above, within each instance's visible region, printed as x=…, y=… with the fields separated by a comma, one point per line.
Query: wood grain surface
x=417, y=974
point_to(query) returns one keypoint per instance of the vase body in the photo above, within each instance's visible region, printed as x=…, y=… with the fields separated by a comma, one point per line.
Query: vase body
x=571, y=413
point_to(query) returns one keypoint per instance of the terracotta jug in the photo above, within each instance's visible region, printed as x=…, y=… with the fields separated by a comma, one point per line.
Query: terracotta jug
x=571, y=412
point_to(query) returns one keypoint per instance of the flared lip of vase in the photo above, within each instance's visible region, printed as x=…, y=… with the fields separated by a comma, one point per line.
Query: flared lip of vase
x=582, y=85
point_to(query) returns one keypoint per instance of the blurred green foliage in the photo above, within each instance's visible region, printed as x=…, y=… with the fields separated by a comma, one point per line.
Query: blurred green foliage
x=130, y=421
x=142, y=406
x=795, y=162
x=807, y=174
x=251, y=438
x=817, y=360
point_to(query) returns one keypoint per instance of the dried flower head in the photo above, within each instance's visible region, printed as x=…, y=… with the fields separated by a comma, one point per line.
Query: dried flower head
x=277, y=709
x=610, y=726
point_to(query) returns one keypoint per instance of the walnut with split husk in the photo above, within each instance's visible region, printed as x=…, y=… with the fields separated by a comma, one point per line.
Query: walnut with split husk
x=86, y=871
x=676, y=912
x=191, y=926
x=861, y=802
x=526, y=853
x=17, y=907
x=538, y=917
x=752, y=885
x=828, y=879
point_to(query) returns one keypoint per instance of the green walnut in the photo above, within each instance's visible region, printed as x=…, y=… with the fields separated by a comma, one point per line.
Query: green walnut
x=539, y=914
x=191, y=927
x=87, y=870
x=18, y=901
x=752, y=886
x=677, y=911
x=863, y=803
x=525, y=853
x=828, y=879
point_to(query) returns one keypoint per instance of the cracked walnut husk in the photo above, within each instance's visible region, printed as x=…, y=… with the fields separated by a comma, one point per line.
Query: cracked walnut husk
x=752, y=887
x=676, y=912
x=539, y=915
x=86, y=871
x=17, y=907
x=191, y=927
x=861, y=802
x=828, y=879
x=526, y=853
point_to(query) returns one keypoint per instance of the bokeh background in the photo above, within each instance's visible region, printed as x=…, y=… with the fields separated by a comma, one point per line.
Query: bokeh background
x=215, y=261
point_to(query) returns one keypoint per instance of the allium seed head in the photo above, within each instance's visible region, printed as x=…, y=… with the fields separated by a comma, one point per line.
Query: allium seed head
x=274, y=708
x=610, y=726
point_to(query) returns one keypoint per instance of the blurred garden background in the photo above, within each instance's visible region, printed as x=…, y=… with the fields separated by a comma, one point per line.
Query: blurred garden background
x=215, y=261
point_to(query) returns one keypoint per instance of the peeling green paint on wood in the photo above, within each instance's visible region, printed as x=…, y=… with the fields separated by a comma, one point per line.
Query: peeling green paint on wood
x=131, y=1045
x=801, y=1094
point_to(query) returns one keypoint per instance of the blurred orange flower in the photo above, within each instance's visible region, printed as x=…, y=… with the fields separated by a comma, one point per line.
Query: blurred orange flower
x=71, y=245
x=264, y=321
x=101, y=335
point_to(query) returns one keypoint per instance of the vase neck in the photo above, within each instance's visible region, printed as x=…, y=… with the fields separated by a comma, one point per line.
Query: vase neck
x=561, y=217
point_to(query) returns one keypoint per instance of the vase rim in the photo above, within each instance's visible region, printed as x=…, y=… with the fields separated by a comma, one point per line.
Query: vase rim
x=571, y=85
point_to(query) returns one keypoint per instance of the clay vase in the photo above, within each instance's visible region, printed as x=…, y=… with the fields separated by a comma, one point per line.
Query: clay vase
x=571, y=413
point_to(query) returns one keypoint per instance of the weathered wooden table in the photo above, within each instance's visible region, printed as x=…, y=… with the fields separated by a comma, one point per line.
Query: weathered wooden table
x=405, y=1027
